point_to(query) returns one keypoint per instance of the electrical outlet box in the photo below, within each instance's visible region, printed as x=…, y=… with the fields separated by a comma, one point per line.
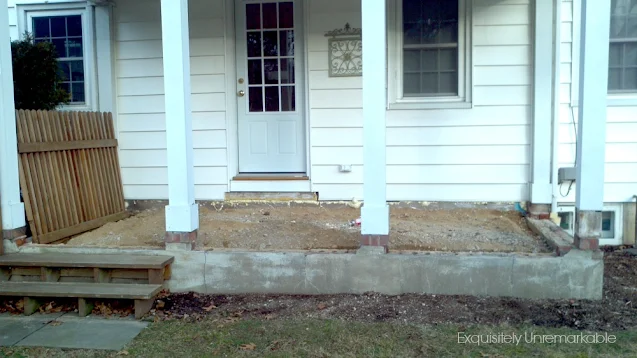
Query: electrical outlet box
x=345, y=168
x=566, y=174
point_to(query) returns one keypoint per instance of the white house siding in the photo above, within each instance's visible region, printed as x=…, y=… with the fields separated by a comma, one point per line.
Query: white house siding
x=140, y=98
x=621, y=138
x=478, y=154
x=13, y=20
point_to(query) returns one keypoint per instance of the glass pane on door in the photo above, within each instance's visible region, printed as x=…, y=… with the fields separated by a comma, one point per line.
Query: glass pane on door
x=270, y=57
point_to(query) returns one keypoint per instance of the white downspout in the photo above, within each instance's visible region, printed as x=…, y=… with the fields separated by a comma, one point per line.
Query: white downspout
x=556, y=103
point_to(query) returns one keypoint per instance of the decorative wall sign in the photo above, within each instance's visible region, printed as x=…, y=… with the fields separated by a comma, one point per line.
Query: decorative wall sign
x=345, y=48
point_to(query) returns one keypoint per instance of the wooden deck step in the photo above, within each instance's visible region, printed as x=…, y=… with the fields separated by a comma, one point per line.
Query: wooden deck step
x=142, y=294
x=99, y=268
x=71, y=260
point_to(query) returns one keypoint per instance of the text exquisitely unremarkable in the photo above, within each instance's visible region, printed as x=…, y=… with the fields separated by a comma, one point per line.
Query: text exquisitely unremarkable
x=533, y=338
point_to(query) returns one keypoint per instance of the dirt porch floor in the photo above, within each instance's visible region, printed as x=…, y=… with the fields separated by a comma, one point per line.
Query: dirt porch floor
x=276, y=227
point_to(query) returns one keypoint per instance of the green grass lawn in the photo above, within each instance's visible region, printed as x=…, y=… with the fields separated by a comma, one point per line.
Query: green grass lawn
x=334, y=338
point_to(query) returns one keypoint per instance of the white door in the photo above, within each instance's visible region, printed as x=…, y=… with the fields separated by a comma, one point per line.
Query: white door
x=270, y=86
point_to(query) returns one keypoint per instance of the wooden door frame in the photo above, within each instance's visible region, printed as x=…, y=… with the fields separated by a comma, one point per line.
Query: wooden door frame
x=232, y=125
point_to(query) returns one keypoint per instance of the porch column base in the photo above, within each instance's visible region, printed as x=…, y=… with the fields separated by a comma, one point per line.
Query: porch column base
x=588, y=229
x=375, y=240
x=180, y=241
x=540, y=211
x=182, y=218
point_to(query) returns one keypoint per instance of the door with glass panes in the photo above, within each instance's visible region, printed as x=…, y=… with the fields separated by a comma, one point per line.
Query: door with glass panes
x=271, y=125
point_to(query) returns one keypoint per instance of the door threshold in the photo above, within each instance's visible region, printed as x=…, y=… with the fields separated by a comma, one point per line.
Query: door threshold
x=271, y=176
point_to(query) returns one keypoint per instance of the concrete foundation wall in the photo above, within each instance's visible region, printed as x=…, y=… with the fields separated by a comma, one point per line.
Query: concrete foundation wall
x=578, y=274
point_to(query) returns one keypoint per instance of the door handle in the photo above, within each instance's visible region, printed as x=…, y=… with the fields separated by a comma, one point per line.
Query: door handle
x=241, y=93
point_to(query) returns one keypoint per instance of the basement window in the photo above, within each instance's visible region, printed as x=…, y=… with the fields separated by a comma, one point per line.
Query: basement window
x=612, y=216
x=608, y=224
x=567, y=221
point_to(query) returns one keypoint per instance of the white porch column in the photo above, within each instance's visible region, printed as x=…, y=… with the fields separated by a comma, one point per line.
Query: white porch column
x=375, y=212
x=541, y=188
x=12, y=208
x=591, y=133
x=182, y=214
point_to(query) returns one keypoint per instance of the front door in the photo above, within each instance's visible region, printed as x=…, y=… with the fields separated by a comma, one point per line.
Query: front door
x=270, y=93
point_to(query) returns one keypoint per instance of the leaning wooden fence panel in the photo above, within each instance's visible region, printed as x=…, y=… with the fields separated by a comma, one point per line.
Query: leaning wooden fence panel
x=69, y=172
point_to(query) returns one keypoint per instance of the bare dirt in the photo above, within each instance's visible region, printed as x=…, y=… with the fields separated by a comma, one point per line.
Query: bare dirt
x=318, y=227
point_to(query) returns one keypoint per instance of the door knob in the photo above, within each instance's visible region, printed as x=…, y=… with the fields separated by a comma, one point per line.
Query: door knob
x=241, y=93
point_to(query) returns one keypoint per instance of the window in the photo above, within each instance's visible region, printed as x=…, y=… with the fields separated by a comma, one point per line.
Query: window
x=612, y=216
x=430, y=48
x=70, y=27
x=429, y=56
x=65, y=33
x=622, y=75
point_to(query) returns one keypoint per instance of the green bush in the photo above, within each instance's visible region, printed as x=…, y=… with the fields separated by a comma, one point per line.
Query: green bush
x=36, y=75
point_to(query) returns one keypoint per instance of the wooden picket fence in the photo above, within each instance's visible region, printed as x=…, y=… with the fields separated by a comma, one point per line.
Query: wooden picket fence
x=69, y=172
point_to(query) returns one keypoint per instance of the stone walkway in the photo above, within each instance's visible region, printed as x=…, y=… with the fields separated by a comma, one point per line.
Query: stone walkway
x=67, y=330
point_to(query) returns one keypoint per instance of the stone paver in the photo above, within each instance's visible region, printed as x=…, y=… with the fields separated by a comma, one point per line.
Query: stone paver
x=69, y=331
x=14, y=328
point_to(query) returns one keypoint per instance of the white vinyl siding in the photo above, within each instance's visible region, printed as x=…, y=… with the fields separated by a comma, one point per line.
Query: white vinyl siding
x=620, y=174
x=477, y=154
x=140, y=98
x=13, y=21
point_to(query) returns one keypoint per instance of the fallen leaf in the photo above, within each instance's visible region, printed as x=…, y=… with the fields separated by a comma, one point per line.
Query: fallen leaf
x=269, y=316
x=160, y=304
x=248, y=347
x=231, y=320
x=122, y=353
x=322, y=306
x=210, y=308
x=55, y=323
x=275, y=345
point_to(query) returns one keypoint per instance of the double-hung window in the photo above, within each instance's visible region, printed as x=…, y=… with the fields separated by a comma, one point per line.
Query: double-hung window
x=69, y=27
x=429, y=54
x=622, y=75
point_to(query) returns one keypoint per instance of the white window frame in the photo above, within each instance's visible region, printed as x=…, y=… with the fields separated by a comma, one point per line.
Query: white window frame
x=396, y=98
x=27, y=11
x=617, y=99
x=617, y=210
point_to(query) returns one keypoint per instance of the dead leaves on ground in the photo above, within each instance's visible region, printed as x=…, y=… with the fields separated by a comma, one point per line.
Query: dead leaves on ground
x=248, y=347
x=210, y=307
x=112, y=309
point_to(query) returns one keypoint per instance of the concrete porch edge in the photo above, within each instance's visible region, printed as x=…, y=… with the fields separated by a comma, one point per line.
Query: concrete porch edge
x=577, y=275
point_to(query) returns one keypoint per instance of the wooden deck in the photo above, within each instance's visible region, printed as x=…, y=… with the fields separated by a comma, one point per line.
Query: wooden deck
x=106, y=261
x=85, y=277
